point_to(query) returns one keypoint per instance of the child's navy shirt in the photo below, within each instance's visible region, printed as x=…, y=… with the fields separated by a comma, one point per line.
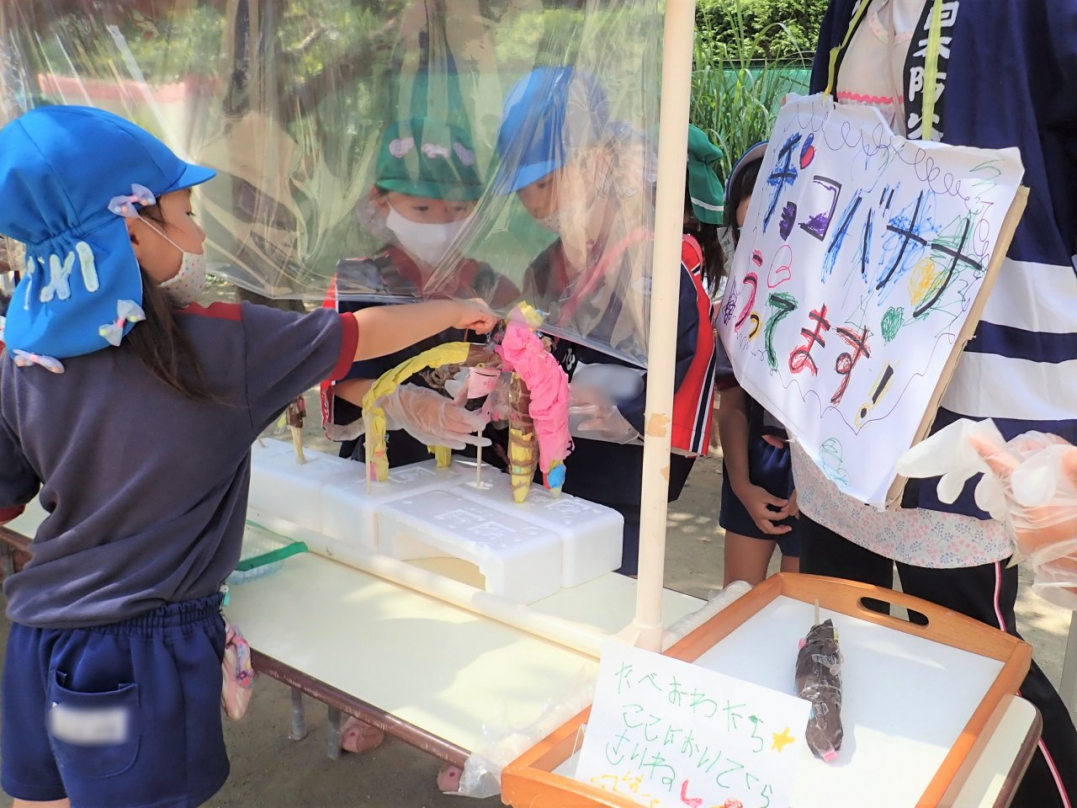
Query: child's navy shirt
x=601, y=471
x=147, y=491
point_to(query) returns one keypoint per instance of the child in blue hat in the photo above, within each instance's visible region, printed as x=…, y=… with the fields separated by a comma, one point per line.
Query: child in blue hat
x=590, y=180
x=426, y=185
x=128, y=410
x=758, y=510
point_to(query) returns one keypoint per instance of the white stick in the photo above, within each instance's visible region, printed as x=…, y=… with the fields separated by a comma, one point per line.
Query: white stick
x=478, y=466
x=665, y=289
x=366, y=454
x=297, y=444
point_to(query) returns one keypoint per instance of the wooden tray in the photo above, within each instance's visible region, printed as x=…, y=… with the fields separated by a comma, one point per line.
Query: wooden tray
x=532, y=781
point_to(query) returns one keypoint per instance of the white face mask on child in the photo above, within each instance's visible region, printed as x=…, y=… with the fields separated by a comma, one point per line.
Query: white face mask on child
x=427, y=242
x=187, y=285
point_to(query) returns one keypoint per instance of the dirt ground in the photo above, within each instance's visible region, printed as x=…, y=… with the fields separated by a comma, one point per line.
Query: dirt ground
x=270, y=771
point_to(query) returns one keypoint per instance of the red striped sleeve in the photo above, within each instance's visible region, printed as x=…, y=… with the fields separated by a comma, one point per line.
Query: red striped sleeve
x=7, y=514
x=215, y=311
x=349, y=345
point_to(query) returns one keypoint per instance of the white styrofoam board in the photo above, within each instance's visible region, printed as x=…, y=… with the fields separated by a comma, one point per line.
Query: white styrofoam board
x=591, y=534
x=519, y=560
x=292, y=490
x=349, y=513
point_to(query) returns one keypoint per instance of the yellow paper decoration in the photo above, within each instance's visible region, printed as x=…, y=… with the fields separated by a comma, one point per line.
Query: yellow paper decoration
x=451, y=353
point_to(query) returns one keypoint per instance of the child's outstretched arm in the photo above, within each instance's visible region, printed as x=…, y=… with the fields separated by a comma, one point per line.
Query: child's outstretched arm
x=387, y=329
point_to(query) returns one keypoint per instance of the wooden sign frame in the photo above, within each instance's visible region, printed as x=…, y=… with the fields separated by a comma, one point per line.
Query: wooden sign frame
x=530, y=781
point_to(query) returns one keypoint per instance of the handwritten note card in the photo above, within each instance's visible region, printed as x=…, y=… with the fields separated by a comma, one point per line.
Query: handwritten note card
x=666, y=733
x=860, y=259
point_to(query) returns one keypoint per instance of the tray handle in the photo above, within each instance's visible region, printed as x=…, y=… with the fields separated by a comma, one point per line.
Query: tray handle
x=943, y=625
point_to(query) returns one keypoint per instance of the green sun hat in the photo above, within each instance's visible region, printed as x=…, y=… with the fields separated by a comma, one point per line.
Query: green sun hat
x=424, y=157
x=704, y=185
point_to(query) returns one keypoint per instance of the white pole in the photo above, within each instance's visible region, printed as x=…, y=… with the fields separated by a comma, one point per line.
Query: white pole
x=646, y=630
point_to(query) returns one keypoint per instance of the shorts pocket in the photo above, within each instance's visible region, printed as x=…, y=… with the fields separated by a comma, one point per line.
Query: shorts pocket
x=93, y=735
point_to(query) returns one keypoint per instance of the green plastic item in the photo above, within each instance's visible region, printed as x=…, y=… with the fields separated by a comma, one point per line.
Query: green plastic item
x=271, y=557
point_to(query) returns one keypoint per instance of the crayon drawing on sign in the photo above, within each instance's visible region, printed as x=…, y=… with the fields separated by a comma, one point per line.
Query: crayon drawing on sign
x=861, y=260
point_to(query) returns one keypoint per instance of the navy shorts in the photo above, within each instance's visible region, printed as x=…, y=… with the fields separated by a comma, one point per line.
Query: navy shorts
x=770, y=468
x=117, y=716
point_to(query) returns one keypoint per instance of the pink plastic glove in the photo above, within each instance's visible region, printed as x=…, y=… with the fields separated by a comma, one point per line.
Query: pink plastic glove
x=592, y=415
x=431, y=418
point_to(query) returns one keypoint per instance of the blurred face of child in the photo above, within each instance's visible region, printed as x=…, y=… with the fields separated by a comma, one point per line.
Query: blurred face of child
x=423, y=209
x=158, y=258
x=567, y=203
x=742, y=210
x=540, y=198
x=740, y=215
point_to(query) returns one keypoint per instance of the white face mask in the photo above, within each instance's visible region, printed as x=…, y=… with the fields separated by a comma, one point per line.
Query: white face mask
x=187, y=285
x=427, y=242
x=551, y=222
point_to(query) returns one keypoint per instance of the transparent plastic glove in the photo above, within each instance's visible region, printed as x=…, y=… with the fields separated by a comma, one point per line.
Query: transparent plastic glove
x=496, y=409
x=456, y=387
x=1038, y=473
x=1029, y=482
x=431, y=418
x=950, y=455
x=591, y=414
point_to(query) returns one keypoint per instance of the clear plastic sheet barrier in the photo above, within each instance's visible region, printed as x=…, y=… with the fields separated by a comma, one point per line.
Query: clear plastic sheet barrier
x=502, y=149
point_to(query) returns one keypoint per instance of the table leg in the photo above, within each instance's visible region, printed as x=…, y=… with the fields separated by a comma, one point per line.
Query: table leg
x=1069, y=668
x=299, y=718
x=336, y=720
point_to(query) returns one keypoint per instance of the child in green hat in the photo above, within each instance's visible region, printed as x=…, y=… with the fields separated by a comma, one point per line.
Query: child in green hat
x=425, y=189
x=704, y=205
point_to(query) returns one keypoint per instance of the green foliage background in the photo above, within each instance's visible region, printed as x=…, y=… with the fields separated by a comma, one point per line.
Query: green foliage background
x=796, y=33
x=748, y=55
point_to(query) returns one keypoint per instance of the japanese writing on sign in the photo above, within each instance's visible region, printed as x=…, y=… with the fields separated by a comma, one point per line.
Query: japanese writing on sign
x=666, y=733
x=859, y=263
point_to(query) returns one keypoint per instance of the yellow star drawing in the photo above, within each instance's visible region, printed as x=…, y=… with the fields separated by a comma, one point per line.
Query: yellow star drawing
x=782, y=739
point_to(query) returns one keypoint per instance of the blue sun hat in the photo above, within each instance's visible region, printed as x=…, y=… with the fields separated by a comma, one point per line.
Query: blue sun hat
x=69, y=177
x=733, y=193
x=548, y=114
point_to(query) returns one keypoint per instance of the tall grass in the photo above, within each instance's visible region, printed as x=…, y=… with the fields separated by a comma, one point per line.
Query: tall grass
x=736, y=89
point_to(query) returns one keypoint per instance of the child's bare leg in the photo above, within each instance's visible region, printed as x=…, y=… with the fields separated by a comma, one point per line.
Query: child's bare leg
x=790, y=563
x=52, y=804
x=746, y=559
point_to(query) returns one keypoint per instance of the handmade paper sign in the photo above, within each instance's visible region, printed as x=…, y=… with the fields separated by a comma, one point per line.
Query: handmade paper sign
x=666, y=733
x=864, y=263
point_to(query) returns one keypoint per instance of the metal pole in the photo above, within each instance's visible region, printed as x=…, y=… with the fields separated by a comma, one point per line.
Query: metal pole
x=646, y=630
x=299, y=718
x=336, y=721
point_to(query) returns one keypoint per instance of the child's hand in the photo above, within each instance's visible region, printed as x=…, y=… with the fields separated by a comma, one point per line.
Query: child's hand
x=475, y=315
x=765, y=509
x=794, y=509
